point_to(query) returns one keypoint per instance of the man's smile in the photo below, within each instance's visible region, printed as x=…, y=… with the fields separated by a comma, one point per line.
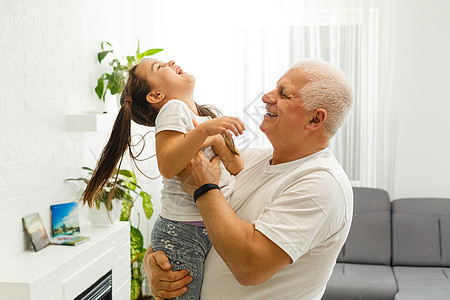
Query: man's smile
x=271, y=114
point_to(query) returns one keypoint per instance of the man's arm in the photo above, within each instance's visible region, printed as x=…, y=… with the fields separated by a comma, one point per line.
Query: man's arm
x=250, y=255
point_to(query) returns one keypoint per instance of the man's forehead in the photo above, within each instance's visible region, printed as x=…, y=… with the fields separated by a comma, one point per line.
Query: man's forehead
x=293, y=78
x=284, y=82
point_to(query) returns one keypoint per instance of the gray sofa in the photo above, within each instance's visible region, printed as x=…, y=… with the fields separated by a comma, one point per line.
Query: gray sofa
x=395, y=250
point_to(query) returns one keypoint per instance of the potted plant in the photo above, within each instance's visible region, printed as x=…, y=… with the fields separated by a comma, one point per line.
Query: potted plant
x=114, y=80
x=128, y=192
x=137, y=249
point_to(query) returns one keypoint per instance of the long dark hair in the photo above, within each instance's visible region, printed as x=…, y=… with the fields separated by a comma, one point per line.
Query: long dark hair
x=134, y=106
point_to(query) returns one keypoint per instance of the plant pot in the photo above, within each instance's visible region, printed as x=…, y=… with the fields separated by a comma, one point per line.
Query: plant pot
x=100, y=217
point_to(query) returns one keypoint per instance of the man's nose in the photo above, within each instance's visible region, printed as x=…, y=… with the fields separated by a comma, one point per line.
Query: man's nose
x=268, y=97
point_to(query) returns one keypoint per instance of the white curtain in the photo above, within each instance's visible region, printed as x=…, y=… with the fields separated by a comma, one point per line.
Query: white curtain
x=238, y=50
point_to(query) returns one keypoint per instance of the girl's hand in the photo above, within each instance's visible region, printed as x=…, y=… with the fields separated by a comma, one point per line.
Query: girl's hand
x=213, y=141
x=222, y=125
x=217, y=143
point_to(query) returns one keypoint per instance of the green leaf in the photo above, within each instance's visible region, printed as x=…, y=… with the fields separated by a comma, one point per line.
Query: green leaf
x=126, y=173
x=135, y=289
x=136, y=273
x=130, y=60
x=147, y=204
x=122, y=194
x=136, y=243
x=103, y=45
x=131, y=184
x=102, y=55
x=99, y=89
x=148, y=53
x=87, y=169
x=137, y=51
x=116, y=82
x=77, y=179
x=152, y=52
x=126, y=211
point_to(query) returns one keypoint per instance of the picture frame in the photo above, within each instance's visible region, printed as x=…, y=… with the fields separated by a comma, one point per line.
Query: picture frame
x=36, y=231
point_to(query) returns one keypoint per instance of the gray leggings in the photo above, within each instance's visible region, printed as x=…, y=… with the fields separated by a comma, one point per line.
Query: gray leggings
x=186, y=246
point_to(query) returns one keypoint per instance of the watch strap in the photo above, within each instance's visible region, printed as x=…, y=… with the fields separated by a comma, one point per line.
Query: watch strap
x=203, y=189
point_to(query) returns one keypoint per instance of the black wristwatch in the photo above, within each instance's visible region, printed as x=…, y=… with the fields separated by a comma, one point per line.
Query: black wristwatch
x=203, y=189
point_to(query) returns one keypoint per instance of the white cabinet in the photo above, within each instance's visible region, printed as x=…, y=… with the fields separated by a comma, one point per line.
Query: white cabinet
x=64, y=272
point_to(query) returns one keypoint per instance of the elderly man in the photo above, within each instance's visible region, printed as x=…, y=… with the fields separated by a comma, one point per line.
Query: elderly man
x=291, y=210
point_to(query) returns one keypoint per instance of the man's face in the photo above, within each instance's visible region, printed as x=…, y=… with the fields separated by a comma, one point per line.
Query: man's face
x=286, y=117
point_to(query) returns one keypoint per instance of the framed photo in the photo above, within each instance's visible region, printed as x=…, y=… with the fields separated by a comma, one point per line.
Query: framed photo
x=66, y=225
x=65, y=219
x=36, y=231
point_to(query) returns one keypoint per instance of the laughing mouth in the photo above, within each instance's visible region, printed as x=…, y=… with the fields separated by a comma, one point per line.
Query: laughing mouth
x=271, y=114
x=179, y=71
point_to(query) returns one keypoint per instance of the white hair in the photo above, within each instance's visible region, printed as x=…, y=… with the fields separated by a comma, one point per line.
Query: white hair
x=328, y=88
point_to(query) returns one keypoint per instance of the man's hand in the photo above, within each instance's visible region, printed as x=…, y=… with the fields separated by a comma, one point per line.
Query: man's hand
x=164, y=283
x=199, y=172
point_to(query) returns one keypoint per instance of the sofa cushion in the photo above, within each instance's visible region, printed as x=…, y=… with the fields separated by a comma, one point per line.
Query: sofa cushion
x=422, y=278
x=355, y=281
x=423, y=295
x=421, y=232
x=369, y=239
x=416, y=283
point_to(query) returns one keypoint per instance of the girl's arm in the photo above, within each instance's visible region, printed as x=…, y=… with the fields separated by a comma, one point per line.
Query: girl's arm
x=174, y=150
x=232, y=162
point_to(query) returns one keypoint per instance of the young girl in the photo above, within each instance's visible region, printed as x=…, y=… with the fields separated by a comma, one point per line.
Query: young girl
x=161, y=95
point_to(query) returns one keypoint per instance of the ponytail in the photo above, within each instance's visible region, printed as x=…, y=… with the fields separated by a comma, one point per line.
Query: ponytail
x=112, y=154
x=134, y=106
x=205, y=110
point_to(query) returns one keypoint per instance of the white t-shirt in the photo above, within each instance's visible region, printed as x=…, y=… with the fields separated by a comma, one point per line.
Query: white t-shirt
x=305, y=207
x=177, y=205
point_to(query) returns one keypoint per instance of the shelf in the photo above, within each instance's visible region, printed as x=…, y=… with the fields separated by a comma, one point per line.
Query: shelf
x=90, y=122
x=63, y=272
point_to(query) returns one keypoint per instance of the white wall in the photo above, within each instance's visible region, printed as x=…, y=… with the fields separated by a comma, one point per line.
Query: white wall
x=421, y=85
x=48, y=69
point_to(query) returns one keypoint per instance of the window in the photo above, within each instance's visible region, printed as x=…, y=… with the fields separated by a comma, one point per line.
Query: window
x=254, y=50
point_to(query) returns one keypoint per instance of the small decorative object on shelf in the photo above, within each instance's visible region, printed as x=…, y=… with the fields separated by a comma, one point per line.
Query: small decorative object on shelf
x=36, y=231
x=114, y=81
x=66, y=224
x=39, y=238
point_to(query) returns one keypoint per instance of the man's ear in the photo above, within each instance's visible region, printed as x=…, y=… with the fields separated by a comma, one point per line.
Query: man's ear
x=317, y=119
x=155, y=97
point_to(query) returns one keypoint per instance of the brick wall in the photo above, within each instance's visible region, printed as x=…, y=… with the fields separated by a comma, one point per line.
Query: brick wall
x=48, y=69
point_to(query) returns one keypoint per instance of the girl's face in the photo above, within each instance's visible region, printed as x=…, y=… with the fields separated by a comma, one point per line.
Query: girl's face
x=167, y=78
